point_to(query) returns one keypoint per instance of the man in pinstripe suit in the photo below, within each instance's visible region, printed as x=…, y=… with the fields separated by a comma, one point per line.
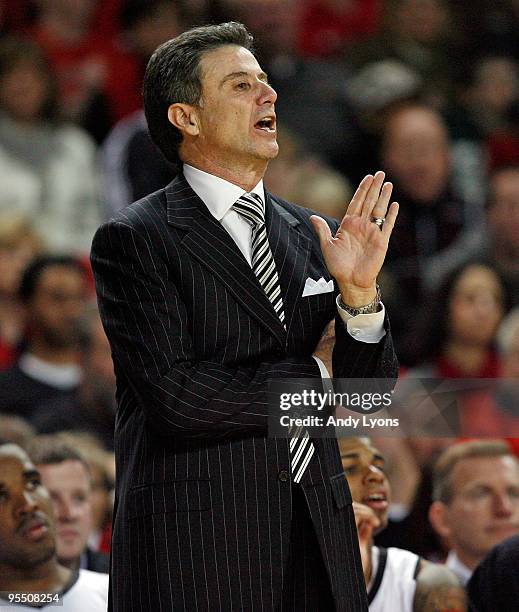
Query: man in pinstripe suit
x=208, y=515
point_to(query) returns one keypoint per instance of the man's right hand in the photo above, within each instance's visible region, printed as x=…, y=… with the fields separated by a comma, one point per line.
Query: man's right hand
x=324, y=348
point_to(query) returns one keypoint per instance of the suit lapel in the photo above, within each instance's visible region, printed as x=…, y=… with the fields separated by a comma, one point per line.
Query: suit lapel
x=208, y=241
x=291, y=250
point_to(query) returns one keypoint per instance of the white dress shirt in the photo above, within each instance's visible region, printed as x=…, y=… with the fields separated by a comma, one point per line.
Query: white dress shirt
x=219, y=196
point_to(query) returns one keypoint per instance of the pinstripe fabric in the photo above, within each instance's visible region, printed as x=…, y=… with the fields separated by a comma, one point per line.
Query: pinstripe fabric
x=251, y=207
x=202, y=516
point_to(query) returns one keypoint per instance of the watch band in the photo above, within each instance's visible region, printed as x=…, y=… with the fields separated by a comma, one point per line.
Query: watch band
x=370, y=308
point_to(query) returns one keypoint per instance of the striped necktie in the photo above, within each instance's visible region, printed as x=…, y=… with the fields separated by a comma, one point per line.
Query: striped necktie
x=250, y=206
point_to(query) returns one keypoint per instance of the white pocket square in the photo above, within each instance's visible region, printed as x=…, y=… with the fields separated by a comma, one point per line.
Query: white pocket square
x=316, y=287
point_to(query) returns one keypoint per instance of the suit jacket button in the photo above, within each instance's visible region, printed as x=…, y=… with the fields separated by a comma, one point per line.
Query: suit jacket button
x=283, y=476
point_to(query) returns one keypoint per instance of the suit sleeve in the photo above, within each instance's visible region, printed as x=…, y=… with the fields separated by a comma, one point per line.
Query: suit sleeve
x=146, y=323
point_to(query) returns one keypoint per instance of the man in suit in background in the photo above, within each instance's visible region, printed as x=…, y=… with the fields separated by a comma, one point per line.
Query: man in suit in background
x=203, y=293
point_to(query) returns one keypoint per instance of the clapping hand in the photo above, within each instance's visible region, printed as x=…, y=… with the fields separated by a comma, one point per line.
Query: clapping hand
x=354, y=256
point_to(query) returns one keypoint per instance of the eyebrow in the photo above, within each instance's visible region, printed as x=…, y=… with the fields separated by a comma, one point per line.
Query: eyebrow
x=27, y=474
x=356, y=456
x=235, y=75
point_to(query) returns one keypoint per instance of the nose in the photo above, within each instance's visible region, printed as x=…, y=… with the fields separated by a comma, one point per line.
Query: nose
x=503, y=505
x=268, y=94
x=64, y=511
x=26, y=504
x=374, y=474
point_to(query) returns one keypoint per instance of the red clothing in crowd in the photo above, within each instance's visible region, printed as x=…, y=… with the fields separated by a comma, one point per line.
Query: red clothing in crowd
x=489, y=369
x=7, y=356
x=326, y=28
x=94, y=58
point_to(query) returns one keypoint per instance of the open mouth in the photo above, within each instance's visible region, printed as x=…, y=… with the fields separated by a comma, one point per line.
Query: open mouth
x=35, y=530
x=377, y=501
x=267, y=124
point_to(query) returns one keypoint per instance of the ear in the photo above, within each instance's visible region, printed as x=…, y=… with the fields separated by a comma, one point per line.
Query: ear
x=184, y=117
x=438, y=517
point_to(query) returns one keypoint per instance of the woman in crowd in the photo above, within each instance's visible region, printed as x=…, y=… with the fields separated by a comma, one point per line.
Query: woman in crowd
x=47, y=166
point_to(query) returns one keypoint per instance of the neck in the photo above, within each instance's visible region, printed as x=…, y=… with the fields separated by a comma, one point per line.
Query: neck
x=470, y=561
x=468, y=358
x=246, y=177
x=48, y=577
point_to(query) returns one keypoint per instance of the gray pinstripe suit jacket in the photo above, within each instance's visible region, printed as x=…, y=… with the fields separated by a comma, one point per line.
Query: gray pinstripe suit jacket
x=202, y=518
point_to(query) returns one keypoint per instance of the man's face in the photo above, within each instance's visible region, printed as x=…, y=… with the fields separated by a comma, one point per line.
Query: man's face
x=237, y=122
x=69, y=487
x=56, y=306
x=416, y=153
x=26, y=521
x=484, y=509
x=364, y=467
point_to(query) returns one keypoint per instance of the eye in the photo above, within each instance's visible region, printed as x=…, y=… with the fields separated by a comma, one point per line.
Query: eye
x=3, y=496
x=242, y=86
x=350, y=469
x=33, y=483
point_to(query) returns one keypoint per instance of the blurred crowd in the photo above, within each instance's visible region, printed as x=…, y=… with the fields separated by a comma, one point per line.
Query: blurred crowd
x=426, y=90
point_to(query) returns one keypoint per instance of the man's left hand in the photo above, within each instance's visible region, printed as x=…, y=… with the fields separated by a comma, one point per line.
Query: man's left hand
x=354, y=256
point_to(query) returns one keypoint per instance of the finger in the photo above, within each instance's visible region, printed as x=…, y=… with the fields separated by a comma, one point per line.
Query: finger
x=365, y=531
x=380, y=208
x=355, y=206
x=373, y=194
x=322, y=229
x=391, y=216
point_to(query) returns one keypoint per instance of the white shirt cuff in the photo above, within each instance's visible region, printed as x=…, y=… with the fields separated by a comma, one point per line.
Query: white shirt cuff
x=367, y=328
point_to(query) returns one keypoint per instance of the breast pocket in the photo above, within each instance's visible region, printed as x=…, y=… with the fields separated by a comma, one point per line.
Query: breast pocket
x=173, y=496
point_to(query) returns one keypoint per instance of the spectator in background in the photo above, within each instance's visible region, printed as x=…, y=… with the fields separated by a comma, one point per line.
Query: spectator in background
x=479, y=122
x=47, y=167
x=497, y=243
x=459, y=341
x=53, y=291
x=132, y=165
x=415, y=153
x=409, y=469
x=418, y=33
x=92, y=408
x=98, y=82
x=101, y=464
x=476, y=501
x=396, y=579
x=28, y=562
x=66, y=476
x=494, y=585
x=19, y=244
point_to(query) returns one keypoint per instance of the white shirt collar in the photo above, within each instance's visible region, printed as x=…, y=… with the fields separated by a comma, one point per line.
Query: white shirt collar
x=217, y=193
x=457, y=567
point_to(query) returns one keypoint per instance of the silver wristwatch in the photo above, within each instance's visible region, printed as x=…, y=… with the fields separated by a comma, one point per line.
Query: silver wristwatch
x=367, y=309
